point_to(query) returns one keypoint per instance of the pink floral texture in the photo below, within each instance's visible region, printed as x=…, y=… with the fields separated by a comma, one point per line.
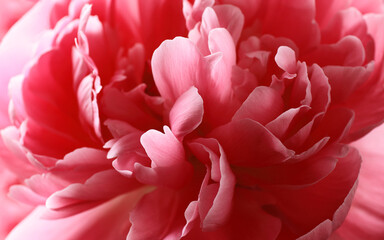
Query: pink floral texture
x=239, y=128
x=11, y=11
x=63, y=64
x=365, y=219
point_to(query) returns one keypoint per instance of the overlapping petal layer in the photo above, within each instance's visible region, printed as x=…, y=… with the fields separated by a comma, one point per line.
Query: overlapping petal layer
x=191, y=119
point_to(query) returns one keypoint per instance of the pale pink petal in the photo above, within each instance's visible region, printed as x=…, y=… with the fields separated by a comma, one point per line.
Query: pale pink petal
x=221, y=16
x=215, y=199
x=199, y=35
x=86, y=75
x=220, y=41
x=16, y=108
x=13, y=155
x=286, y=59
x=118, y=129
x=168, y=163
x=369, y=6
x=194, y=13
x=11, y=12
x=106, y=221
x=187, y=113
x=176, y=65
x=11, y=212
x=230, y=18
x=17, y=50
x=25, y=195
x=128, y=151
x=75, y=167
x=365, y=220
x=103, y=185
x=248, y=7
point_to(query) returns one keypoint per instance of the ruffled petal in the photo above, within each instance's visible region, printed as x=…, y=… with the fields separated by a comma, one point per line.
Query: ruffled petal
x=106, y=221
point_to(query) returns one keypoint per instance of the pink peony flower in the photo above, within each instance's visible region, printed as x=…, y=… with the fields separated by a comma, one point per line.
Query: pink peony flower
x=237, y=128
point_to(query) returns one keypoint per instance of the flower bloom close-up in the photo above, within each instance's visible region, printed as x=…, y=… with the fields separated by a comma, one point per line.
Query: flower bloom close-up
x=171, y=119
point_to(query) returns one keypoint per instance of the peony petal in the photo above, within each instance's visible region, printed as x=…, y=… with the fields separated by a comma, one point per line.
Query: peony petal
x=365, y=220
x=49, y=100
x=349, y=51
x=175, y=60
x=76, y=167
x=286, y=59
x=16, y=51
x=375, y=28
x=248, y=219
x=327, y=9
x=16, y=108
x=106, y=221
x=220, y=41
x=221, y=16
x=86, y=75
x=169, y=166
x=193, y=14
x=295, y=204
x=248, y=143
x=11, y=12
x=335, y=124
x=345, y=80
x=263, y=105
x=230, y=18
x=320, y=89
x=128, y=151
x=118, y=129
x=215, y=199
x=296, y=175
x=103, y=185
x=11, y=212
x=369, y=6
x=132, y=107
x=281, y=125
x=295, y=20
x=158, y=209
x=346, y=22
x=13, y=155
x=149, y=22
x=187, y=113
x=321, y=231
